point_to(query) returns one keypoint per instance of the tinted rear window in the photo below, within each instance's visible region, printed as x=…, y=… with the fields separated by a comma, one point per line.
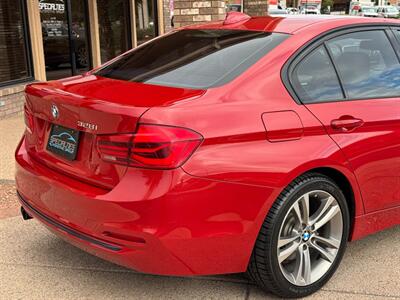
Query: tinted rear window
x=197, y=59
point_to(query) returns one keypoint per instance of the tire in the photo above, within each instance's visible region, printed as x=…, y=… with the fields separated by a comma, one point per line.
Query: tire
x=291, y=277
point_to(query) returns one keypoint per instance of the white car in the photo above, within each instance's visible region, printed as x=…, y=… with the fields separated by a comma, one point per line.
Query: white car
x=367, y=11
x=388, y=11
x=310, y=10
x=276, y=12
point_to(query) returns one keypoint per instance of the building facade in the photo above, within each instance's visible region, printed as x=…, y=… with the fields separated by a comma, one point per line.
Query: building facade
x=50, y=39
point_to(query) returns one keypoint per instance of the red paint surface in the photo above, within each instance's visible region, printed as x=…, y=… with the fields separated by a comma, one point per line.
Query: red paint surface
x=282, y=126
x=204, y=217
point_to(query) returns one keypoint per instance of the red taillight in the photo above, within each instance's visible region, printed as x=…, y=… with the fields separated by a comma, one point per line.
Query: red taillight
x=28, y=117
x=152, y=146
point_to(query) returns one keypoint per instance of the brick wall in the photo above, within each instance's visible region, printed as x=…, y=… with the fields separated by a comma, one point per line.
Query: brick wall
x=166, y=16
x=255, y=7
x=188, y=12
x=11, y=101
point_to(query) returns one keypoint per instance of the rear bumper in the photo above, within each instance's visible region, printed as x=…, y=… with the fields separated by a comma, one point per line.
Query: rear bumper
x=66, y=229
x=159, y=222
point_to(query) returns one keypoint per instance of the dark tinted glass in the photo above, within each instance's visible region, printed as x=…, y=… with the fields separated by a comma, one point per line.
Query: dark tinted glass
x=79, y=35
x=367, y=64
x=13, y=53
x=61, y=36
x=194, y=58
x=114, y=28
x=314, y=78
x=56, y=44
x=145, y=20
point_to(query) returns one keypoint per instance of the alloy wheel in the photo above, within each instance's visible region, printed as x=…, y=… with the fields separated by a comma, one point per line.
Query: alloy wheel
x=82, y=57
x=310, y=238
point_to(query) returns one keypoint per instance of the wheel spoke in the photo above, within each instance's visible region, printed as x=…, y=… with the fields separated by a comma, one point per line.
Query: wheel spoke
x=297, y=211
x=305, y=205
x=330, y=242
x=286, y=240
x=333, y=210
x=325, y=204
x=283, y=255
x=298, y=273
x=324, y=253
x=307, y=266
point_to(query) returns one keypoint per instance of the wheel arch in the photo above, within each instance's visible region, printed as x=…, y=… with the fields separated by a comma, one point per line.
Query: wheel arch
x=344, y=184
x=339, y=173
x=342, y=176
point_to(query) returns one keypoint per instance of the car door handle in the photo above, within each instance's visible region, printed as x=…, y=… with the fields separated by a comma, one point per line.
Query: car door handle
x=346, y=123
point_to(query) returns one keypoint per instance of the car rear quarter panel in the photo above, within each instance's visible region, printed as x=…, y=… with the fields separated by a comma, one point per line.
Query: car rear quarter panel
x=235, y=147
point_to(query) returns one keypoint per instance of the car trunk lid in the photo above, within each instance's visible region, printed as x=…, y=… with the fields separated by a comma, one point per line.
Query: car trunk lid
x=92, y=106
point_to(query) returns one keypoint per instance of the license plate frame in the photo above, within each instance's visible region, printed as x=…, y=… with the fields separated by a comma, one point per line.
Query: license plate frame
x=63, y=142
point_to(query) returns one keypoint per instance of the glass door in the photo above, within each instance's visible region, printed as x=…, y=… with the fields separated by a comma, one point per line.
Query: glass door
x=146, y=20
x=114, y=28
x=65, y=39
x=80, y=36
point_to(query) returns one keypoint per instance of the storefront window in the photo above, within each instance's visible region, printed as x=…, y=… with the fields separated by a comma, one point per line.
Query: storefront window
x=65, y=42
x=14, y=57
x=114, y=28
x=56, y=46
x=79, y=36
x=145, y=20
x=234, y=5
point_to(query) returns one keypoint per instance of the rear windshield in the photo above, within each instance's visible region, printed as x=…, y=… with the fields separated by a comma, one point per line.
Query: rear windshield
x=197, y=59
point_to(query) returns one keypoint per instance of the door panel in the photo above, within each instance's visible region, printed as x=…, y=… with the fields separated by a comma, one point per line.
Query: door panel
x=373, y=149
x=365, y=122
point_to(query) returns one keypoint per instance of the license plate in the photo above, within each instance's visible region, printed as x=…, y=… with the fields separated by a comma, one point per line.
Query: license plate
x=63, y=142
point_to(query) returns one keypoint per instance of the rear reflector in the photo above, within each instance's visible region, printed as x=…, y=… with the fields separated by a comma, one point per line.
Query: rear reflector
x=152, y=146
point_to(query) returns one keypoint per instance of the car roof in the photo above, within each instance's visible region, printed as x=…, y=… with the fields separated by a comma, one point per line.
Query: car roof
x=290, y=24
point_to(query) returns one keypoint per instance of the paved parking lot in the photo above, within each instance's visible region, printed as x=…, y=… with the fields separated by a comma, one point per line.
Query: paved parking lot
x=34, y=264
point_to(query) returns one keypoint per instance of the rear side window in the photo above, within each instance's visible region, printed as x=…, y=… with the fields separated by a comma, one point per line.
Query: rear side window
x=367, y=64
x=314, y=79
x=197, y=59
x=397, y=34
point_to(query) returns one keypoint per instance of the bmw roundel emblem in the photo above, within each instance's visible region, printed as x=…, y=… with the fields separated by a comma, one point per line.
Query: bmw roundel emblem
x=54, y=111
x=306, y=236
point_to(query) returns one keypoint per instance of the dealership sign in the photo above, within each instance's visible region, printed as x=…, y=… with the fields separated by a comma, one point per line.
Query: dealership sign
x=52, y=7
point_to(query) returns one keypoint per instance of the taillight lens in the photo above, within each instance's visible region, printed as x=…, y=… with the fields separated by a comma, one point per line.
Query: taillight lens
x=152, y=146
x=28, y=117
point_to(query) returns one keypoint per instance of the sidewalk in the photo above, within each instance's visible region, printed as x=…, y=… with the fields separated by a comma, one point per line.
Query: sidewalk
x=11, y=130
x=34, y=264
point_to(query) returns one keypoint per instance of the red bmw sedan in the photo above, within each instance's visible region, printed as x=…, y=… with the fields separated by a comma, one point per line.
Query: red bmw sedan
x=251, y=144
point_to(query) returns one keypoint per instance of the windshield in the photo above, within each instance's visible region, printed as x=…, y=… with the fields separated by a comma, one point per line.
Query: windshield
x=392, y=9
x=197, y=59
